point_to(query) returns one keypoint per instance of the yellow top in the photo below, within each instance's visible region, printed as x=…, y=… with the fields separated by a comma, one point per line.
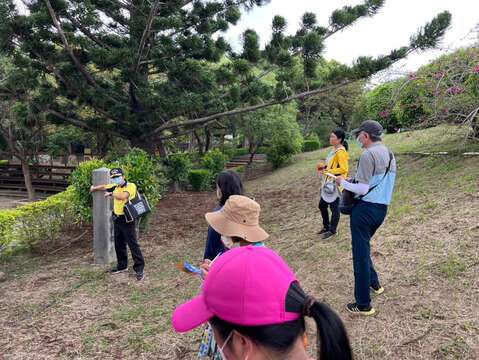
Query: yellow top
x=119, y=205
x=339, y=163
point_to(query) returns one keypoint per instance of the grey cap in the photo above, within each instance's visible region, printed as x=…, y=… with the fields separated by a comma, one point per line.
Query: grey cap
x=369, y=126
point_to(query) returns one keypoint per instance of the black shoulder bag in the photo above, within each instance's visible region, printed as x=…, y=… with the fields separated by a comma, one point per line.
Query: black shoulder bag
x=136, y=208
x=348, y=198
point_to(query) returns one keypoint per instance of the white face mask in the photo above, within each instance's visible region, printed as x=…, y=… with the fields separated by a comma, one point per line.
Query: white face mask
x=221, y=349
x=228, y=242
x=358, y=139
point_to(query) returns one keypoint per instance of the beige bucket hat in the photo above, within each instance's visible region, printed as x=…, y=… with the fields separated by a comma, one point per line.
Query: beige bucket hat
x=238, y=217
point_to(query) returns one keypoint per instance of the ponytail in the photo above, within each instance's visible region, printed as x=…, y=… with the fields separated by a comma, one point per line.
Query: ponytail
x=332, y=336
x=341, y=135
x=333, y=342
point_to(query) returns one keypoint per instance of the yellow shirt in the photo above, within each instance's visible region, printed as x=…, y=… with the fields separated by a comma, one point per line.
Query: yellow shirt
x=339, y=164
x=119, y=205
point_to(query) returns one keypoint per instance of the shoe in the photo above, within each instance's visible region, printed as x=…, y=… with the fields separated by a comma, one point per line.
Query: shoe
x=327, y=235
x=377, y=289
x=140, y=276
x=323, y=231
x=117, y=271
x=357, y=310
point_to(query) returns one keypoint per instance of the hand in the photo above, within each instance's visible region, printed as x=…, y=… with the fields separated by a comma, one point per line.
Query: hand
x=107, y=194
x=205, y=267
x=92, y=188
x=339, y=179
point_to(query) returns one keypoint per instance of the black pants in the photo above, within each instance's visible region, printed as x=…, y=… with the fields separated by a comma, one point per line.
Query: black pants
x=323, y=206
x=125, y=234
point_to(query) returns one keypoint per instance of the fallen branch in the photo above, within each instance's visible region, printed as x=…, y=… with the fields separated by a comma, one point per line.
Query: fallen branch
x=70, y=243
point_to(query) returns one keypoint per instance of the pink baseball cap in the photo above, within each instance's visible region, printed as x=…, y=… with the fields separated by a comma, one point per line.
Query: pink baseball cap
x=245, y=286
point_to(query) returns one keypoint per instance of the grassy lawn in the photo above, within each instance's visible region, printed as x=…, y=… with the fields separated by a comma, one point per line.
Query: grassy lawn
x=426, y=253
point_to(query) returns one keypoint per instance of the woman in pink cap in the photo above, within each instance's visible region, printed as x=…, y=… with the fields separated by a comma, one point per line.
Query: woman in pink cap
x=257, y=310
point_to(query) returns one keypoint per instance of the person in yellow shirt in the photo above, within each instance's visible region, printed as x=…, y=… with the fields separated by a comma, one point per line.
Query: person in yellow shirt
x=337, y=164
x=125, y=234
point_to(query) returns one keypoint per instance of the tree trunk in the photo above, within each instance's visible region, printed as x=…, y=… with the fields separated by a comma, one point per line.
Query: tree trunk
x=28, y=180
x=208, y=139
x=200, y=143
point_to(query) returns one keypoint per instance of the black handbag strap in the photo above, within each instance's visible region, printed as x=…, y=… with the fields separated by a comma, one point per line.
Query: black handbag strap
x=387, y=171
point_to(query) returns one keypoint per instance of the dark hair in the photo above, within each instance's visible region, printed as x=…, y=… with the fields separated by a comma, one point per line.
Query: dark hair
x=341, y=135
x=229, y=183
x=333, y=342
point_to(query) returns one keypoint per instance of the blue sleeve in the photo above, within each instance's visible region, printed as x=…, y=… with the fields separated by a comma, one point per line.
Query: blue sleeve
x=214, y=245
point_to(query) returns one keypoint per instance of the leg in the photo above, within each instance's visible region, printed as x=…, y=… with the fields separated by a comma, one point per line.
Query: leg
x=323, y=206
x=361, y=235
x=380, y=214
x=130, y=236
x=120, y=246
x=334, y=215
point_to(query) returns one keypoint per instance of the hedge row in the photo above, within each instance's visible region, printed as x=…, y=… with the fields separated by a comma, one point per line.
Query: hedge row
x=28, y=225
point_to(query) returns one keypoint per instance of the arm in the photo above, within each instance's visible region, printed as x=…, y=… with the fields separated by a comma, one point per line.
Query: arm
x=99, y=187
x=121, y=196
x=359, y=188
x=214, y=245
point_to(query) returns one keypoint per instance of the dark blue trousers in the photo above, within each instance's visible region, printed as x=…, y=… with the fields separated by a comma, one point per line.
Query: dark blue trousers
x=366, y=218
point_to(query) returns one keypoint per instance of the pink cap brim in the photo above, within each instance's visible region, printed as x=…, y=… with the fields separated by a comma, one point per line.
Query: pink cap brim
x=191, y=314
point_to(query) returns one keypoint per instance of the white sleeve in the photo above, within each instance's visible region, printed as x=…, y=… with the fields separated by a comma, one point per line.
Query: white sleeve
x=359, y=188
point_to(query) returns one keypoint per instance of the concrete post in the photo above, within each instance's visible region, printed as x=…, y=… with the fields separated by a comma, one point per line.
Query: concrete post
x=103, y=245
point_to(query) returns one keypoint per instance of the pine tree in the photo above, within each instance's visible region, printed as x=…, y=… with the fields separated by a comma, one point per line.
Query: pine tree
x=147, y=70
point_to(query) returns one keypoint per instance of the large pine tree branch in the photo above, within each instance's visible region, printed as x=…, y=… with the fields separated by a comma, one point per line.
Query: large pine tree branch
x=89, y=79
x=86, y=32
x=146, y=33
x=206, y=119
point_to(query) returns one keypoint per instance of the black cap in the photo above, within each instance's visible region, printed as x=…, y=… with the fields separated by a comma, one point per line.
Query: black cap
x=369, y=126
x=115, y=172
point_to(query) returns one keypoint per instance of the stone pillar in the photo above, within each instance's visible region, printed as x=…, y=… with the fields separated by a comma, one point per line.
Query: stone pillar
x=103, y=245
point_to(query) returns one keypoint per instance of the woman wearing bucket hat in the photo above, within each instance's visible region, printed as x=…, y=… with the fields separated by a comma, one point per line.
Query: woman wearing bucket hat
x=238, y=224
x=257, y=310
x=336, y=164
x=228, y=183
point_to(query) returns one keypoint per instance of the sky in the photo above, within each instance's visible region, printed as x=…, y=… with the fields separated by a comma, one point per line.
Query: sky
x=390, y=28
x=377, y=35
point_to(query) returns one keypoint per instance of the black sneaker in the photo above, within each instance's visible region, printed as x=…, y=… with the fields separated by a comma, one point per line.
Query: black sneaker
x=324, y=230
x=377, y=289
x=117, y=271
x=327, y=235
x=140, y=276
x=359, y=310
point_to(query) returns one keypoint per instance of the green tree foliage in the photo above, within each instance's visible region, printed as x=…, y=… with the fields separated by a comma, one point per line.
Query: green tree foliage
x=285, y=137
x=150, y=70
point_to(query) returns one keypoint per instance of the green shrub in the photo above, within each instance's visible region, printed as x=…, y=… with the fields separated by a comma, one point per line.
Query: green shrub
x=286, y=139
x=178, y=167
x=241, y=152
x=214, y=161
x=229, y=151
x=37, y=222
x=239, y=169
x=81, y=180
x=262, y=150
x=3, y=162
x=311, y=145
x=200, y=179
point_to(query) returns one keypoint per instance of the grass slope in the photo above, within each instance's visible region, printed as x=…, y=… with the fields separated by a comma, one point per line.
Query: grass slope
x=427, y=255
